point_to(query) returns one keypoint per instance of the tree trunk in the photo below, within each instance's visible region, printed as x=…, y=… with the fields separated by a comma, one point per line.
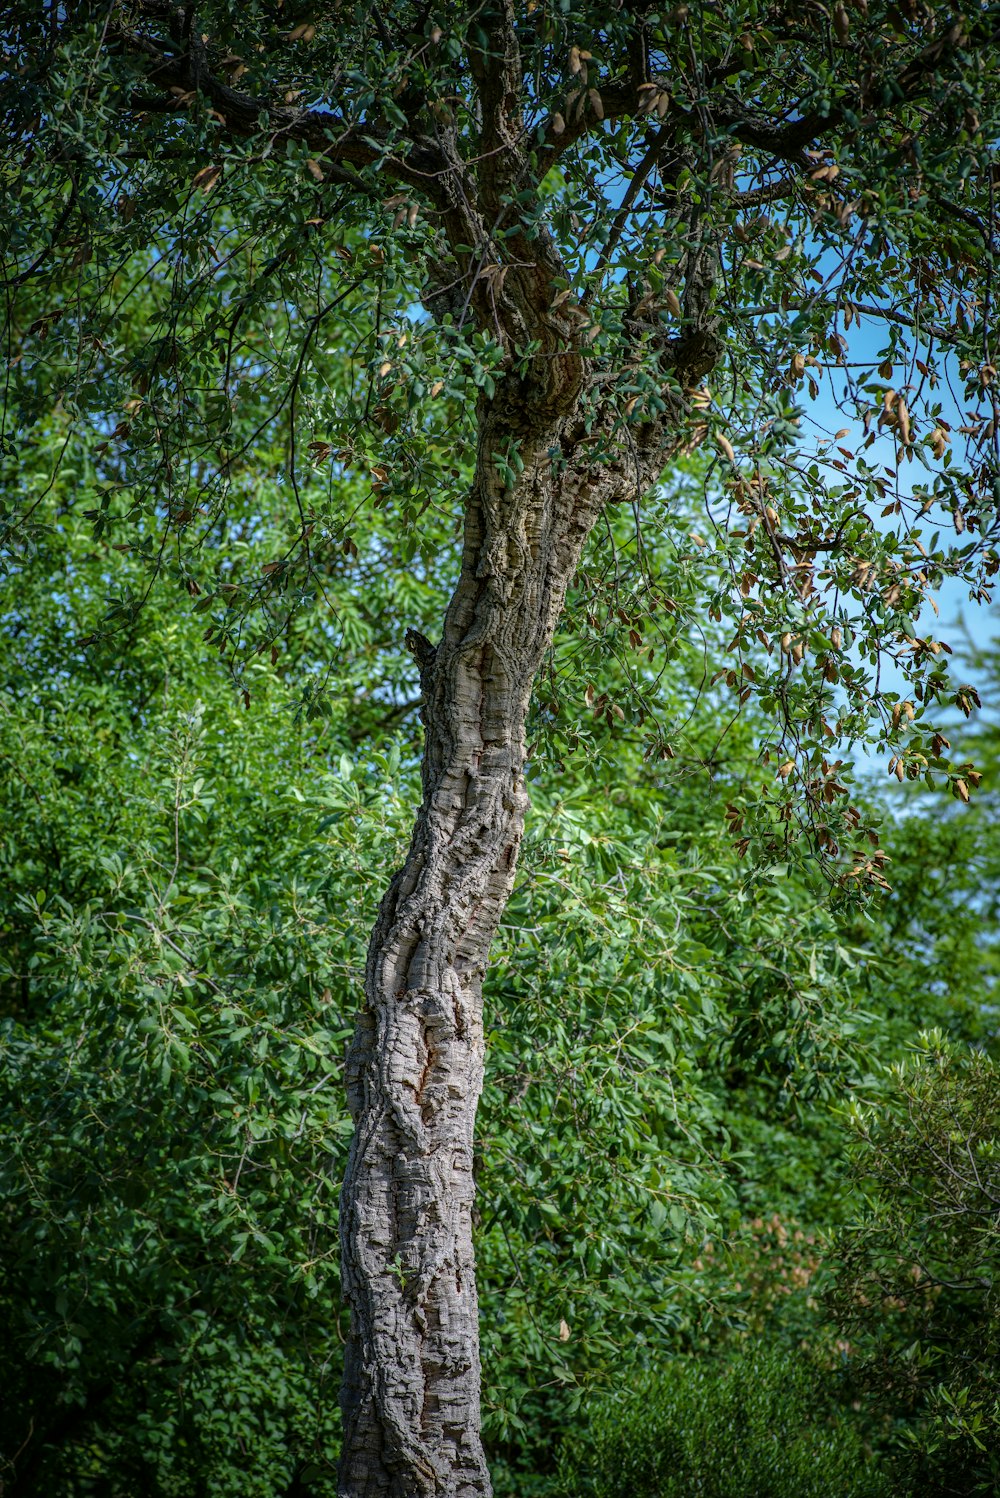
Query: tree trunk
x=411, y=1387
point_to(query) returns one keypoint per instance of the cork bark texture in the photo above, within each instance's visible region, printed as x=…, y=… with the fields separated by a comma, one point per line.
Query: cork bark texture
x=411, y=1393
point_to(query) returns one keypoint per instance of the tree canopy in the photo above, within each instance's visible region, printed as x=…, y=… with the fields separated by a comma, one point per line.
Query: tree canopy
x=832, y=181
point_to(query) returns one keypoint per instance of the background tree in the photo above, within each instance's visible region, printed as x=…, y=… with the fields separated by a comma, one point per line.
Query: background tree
x=598, y=212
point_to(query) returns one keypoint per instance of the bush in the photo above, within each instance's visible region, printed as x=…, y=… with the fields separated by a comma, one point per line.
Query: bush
x=916, y=1289
x=760, y=1425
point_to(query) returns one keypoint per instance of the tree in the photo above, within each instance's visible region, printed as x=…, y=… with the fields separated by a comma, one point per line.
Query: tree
x=597, y=211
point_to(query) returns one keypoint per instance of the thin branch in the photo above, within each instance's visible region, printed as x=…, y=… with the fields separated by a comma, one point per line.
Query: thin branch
x=327, y=133
x=633, y=190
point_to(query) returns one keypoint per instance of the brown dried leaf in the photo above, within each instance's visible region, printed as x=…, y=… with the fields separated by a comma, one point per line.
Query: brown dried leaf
x=206, y=178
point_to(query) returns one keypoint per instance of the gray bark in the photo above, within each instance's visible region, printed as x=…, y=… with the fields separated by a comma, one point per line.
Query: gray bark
x=411, y=1397
x=411, y=1386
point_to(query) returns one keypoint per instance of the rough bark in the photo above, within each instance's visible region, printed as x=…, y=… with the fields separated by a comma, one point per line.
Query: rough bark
x=411, y=1395
x=411, y=1389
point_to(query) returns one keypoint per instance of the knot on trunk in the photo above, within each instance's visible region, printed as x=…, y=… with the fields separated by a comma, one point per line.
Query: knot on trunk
x=695, y=355
x=423, y=653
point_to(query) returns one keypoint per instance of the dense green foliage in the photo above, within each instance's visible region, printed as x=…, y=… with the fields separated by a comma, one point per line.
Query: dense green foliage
x=172, y=925
x=917, y=1284
x=187, y=888
x=760, y=1424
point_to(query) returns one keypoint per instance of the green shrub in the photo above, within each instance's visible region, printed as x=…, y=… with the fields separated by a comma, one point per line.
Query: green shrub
x=759, y=1426
x=916, y=1289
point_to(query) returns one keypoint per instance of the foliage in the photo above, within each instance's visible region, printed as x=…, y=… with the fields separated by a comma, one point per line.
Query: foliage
x=179, y=947
x=233, y=258
x=249, y=359
x=761, y=1423
x=917, y=1282
x=187, y=887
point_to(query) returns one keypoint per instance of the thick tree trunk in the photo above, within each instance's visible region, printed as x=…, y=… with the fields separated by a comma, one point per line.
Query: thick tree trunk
x=411, y=1389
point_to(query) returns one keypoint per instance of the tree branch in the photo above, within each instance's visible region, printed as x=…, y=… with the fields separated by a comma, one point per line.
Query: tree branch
x=497, y=74
x=180, y=76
